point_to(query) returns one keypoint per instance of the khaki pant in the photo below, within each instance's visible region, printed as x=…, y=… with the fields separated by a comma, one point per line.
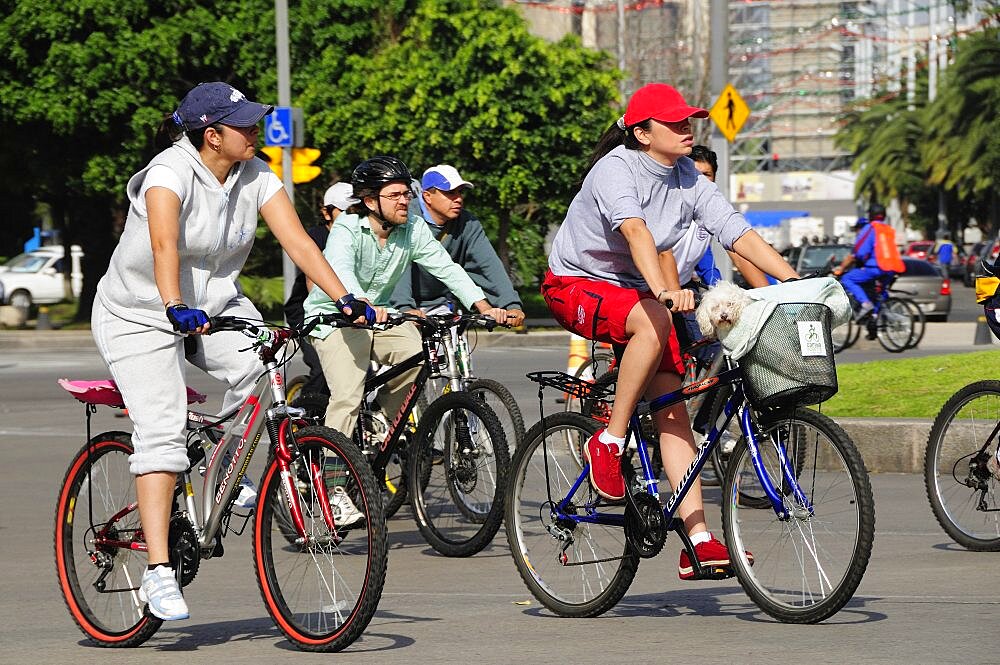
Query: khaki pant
x=346, y=356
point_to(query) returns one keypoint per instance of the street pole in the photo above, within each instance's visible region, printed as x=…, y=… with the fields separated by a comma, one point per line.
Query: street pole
x=719, y=66
x=284, y=99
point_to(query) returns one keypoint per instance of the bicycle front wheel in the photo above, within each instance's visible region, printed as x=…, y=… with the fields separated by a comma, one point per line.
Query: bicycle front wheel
x=96, y=522
x=575, y=568
x=964, y=495
x=807, y=564
x=321, y=587
x=499, y=398
x=919, y=323
x=895, y=326
x=458, y=471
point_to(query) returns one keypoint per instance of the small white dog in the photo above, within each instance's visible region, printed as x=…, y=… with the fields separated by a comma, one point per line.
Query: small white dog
x=720, y=309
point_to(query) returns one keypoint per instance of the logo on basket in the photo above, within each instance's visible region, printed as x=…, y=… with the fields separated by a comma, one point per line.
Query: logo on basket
x=700, y=386
x=811, y=339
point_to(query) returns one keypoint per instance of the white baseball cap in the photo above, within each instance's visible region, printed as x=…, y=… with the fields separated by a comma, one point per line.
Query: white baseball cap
x=340, y=195
x=444, y=177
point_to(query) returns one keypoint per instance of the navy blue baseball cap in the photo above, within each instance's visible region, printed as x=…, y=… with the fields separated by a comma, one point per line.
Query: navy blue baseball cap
x=208, y=103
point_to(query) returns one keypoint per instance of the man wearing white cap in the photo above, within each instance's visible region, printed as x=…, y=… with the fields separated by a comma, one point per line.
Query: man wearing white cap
x=338, y=198
x=442, y=205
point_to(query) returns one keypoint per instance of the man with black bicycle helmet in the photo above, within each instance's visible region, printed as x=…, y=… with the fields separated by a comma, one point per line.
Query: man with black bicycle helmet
x=374, y=249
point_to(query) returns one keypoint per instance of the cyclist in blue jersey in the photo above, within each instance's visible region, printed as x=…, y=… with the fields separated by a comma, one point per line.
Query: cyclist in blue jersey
x=855, y=280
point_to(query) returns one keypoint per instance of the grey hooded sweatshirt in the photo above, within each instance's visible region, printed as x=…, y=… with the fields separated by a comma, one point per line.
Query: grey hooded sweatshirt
x=217, y=226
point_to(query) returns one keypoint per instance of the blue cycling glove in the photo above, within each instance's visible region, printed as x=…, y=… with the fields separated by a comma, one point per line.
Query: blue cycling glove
x=185, y=320
x=355, y=308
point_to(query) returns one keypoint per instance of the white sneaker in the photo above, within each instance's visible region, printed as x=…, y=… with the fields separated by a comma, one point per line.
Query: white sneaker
x=863, y=311
x=345, y=513
x=159, y=588
x=247, y=498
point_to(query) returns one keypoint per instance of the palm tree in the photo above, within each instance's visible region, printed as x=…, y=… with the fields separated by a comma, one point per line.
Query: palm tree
x=885, y=139
x=963, y=147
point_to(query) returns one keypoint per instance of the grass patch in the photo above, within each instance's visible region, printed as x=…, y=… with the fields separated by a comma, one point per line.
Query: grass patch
x=910, y=388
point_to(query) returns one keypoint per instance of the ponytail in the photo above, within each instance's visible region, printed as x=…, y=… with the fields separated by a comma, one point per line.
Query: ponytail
x=171, y=129
x=616, y=135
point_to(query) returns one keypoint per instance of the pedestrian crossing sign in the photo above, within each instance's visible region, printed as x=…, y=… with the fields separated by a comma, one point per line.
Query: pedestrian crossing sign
x=729, y=112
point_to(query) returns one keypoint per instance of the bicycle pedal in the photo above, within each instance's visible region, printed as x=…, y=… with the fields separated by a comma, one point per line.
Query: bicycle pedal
x=716, y=573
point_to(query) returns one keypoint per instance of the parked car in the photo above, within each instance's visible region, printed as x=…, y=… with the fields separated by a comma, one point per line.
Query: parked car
x=987, y=250
x=36, y=277
x=919, y=249
x=811, y=258
x=925, y=285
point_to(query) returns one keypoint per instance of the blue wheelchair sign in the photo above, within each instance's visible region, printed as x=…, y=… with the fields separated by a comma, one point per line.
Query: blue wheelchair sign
x=278, y=127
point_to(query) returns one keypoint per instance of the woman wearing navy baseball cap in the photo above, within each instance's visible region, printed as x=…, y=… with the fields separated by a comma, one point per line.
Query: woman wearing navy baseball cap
x=610, y=275
x=191, y=222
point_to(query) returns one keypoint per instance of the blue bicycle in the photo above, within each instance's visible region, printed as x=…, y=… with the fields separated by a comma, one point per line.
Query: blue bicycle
x=796, y=492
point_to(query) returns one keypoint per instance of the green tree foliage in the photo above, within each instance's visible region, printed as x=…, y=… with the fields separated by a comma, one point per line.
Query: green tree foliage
x=963, y=147
x=884, y=139
x=466, y=84
x=85, y=84
x=952, y=143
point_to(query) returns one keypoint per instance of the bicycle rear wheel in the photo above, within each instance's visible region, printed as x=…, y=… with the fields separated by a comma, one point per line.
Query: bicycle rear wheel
x=499, y=398
x=895, y=326
x=99, y=582
x=322, y=589
x=844, y=336
x=807, y=565
x=964, y=495
x=574, y=568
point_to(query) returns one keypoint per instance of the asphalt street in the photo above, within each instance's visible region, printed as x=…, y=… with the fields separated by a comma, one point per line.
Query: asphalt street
x=923, y=599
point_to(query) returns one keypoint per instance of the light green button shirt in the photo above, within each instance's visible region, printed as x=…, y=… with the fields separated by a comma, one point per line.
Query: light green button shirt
x=371, y=271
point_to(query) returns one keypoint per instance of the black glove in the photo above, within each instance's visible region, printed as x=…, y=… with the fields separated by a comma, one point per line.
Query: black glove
x=355, y=308
x=184, y=319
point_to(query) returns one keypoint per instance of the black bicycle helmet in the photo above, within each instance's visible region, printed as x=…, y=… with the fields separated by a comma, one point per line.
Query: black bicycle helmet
x=876, y=211
x=371, y=175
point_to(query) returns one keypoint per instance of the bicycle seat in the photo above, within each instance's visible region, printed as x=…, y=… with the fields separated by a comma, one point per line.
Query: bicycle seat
x=105, y=392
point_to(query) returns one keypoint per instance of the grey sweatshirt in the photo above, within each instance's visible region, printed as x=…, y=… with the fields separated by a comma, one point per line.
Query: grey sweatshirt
x=217, y=226
x=627, y=183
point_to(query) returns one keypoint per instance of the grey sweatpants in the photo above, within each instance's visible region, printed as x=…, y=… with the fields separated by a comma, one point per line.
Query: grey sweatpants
x=149, y=367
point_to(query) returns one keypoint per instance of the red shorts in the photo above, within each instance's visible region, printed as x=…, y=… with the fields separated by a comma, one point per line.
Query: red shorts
x=598, y=310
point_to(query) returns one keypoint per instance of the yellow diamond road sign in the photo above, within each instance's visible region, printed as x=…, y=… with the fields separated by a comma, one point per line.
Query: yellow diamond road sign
x=729, y=112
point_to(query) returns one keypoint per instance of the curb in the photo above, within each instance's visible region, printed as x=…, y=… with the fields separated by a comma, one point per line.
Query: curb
x=889, y=445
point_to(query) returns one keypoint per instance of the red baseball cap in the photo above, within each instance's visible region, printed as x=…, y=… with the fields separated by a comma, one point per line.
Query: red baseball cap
x=662, y=102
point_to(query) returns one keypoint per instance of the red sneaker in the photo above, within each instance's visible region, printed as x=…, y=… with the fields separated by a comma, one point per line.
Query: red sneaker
x=605, y=468
x=711, y=555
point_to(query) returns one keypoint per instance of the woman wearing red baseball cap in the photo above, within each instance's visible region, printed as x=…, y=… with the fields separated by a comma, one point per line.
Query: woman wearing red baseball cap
x=611, y=272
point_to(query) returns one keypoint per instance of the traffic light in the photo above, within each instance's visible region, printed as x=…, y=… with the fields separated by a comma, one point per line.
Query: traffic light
x=302, y=159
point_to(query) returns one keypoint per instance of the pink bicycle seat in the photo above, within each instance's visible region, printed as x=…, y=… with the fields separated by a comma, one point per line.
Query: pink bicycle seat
x=106, y=393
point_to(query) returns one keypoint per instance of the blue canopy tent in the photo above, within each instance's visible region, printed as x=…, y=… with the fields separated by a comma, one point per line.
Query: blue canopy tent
x=772, y=217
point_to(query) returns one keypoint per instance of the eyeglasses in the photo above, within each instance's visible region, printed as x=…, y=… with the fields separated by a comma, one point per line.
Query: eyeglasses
x=395, y=196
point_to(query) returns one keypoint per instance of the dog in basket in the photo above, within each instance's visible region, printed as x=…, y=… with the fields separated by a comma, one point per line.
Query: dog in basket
x=721, y=308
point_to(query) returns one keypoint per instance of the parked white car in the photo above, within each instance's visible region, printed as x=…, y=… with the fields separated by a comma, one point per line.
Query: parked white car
x=36, y=277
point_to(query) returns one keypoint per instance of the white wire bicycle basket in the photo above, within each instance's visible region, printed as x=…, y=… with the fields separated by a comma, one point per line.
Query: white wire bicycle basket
x=791, y=364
